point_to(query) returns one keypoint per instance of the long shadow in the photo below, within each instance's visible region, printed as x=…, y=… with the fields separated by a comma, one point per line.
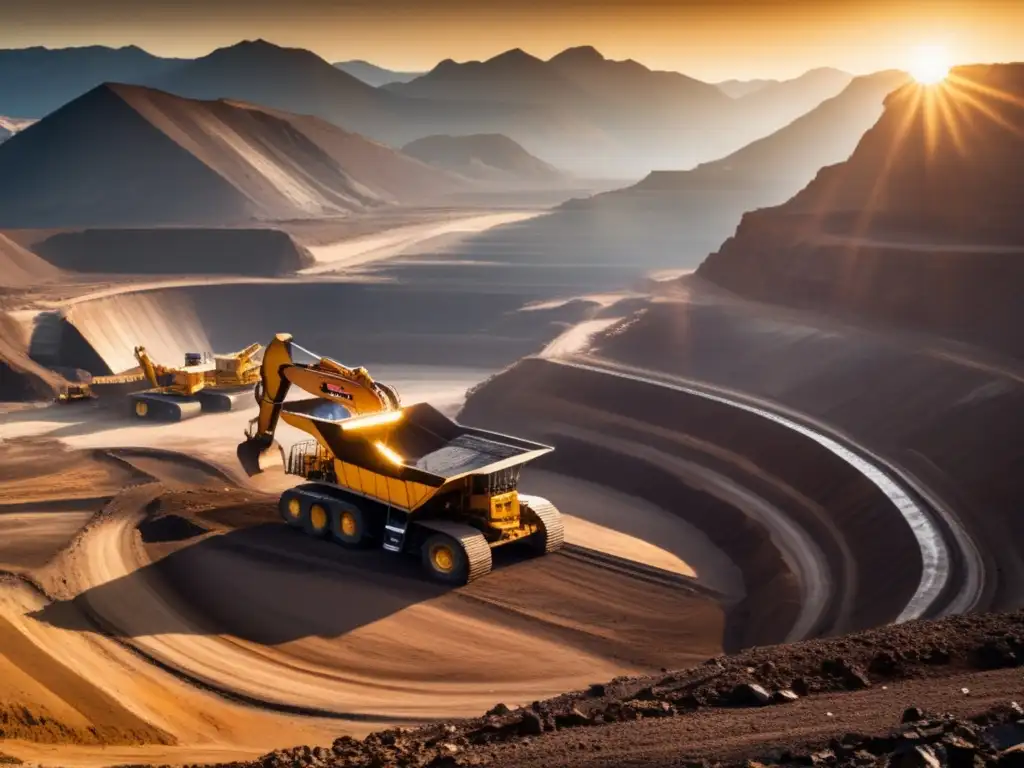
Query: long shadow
x=267, y=584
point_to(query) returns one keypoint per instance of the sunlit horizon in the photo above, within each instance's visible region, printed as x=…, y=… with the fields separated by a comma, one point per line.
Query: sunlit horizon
x=713, y=42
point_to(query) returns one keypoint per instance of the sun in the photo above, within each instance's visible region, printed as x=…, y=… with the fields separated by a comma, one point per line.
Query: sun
x=930, y=64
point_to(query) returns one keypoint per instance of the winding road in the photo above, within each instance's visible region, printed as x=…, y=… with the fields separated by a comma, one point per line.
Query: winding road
x=952, y=577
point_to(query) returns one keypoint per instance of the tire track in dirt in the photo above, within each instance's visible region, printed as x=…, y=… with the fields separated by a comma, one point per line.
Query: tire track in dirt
x=267, y=616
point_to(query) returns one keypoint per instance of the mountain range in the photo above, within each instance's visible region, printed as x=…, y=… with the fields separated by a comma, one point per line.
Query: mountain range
x=578, y=110
x=373, y=75
x=36, y=81
x=672, y=220
x=126, y=155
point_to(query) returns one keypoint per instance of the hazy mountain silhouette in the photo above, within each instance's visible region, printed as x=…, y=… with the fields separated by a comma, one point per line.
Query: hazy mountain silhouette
x=373, y=75
x=920, y=227
x=123, y=155
x=629, y=83
x=490, y=157
x=580, y=111
x=285, y=78
x=513, y=76
x=36, y=81
x=789, y=158
x=777, y=104
x=579, y=76
x=300, y=82
x=738, y=88
x=703, y=206
x=673, y=220
x=658, y=119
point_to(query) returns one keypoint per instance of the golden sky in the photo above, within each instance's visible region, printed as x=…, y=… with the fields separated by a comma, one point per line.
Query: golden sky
x=708, y=39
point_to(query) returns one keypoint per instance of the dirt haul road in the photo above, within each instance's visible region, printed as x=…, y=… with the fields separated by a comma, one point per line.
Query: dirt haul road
x=204, y=596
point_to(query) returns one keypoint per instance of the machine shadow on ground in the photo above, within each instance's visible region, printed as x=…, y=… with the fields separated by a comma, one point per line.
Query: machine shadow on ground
x=267, y=584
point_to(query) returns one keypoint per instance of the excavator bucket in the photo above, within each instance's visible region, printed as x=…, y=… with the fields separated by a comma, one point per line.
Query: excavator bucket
x=256, y=456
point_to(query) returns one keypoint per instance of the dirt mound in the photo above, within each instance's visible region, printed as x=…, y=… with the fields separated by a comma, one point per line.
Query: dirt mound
x=20, y=267
x=918, y=228
x=488, y=157
x=143, y=157
x=176, y=251
x=714, y=710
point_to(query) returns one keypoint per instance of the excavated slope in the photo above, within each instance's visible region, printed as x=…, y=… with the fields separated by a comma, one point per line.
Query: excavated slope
x=20, y=267
x=177, y=250
x=100, y=336
x=920, y=227
x=125, y=155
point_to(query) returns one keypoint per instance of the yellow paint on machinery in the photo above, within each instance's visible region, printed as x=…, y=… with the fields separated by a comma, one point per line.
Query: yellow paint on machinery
x=410, y=478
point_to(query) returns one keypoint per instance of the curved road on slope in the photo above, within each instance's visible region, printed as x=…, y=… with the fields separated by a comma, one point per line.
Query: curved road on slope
x=919, y=507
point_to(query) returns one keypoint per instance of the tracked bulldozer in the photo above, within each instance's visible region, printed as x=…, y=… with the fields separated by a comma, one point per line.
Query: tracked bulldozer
x=406, y=479
x=204, y=383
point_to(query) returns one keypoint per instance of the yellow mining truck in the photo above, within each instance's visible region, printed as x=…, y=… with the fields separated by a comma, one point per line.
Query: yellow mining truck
x=203, y=383
x=407, y=479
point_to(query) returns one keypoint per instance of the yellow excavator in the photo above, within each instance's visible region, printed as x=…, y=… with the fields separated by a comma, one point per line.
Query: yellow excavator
x=407, y=479
x=79, y=391
x=204, y=383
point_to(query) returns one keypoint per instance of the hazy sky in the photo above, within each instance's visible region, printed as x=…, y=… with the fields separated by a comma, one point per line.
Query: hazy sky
x=709, y=39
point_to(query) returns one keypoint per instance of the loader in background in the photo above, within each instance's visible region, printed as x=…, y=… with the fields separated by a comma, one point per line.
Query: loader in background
x=204, y=383
x=409, y=480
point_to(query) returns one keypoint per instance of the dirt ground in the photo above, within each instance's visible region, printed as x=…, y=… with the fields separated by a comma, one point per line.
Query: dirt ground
x=141, y=577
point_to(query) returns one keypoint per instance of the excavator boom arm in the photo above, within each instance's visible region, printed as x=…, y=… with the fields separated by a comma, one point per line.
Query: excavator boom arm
x=352, y=388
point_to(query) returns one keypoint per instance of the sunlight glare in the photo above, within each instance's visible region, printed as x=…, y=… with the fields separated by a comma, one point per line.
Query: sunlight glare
x=930, y=64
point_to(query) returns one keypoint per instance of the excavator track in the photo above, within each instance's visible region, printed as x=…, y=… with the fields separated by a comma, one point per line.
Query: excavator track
x=472, y=542
x=219, y=400
x=154, y=406
x=552, y=525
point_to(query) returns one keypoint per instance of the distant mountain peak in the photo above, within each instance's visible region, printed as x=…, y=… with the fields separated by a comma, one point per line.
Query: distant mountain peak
x=579, y=54
x=513, y=56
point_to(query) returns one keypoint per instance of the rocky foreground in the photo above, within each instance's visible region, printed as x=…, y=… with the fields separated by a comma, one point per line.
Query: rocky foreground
x=916, y=695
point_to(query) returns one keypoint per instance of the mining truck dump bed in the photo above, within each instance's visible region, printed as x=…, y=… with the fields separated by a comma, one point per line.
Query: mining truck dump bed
x=408, y=456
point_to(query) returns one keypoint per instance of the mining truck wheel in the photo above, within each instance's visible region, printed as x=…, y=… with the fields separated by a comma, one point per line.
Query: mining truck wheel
x=291, y=508
x=445, y=559
x=349, y=524
x=317, y=518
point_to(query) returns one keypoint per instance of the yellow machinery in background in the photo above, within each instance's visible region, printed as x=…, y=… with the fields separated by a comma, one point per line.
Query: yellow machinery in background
x=407, y=479
x=79, y=391
x=204, y=383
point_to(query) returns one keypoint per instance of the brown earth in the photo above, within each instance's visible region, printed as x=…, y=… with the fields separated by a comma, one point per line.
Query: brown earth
x=198, y=582
x=950, y=416
x=838, y=694
x=657, y=431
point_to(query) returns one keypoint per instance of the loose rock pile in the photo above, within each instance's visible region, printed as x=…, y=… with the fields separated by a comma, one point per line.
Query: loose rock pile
x=761, y=677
